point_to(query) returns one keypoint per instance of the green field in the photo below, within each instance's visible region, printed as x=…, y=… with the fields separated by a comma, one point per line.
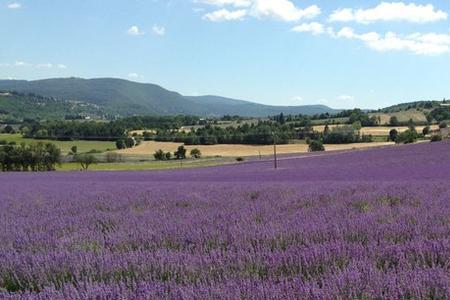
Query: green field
x=83, y=146
x=148, y=165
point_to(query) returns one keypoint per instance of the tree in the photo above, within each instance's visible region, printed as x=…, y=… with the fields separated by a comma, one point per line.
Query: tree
x=159, y=155
x=426, y=130
x=411, y=125
x=8, y=129
x=406, y=137
x=180, y=153
x=52, y=157
x=357, y=125
x=393, y=121
x=147, y=136
x=342, y=135
x=196, y=153
x=74, y=150
x=393, y=134
x=120, y=144
x=440, y=113
x=35, y=157
x=130, y=142
x=443, y=125
x=316, y=146
x=168, y=156
x=85, y=160
x=326, y=130
x=281, y=119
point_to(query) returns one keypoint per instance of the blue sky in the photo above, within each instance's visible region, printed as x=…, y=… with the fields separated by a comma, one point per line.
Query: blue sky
x=343, y=54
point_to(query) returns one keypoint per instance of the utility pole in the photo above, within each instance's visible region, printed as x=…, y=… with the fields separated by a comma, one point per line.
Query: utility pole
x=275, y=162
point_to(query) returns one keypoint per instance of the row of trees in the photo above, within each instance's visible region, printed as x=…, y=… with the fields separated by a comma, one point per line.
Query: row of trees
x=73, y=130
x=411, y=135
x=262, y=133
x=179, y=154
x=353, y=115
x=345, y=134
x=34, y=157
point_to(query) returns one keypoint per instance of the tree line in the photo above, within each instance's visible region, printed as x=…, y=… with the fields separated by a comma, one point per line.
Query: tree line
x=262, y=133
x=33, y=157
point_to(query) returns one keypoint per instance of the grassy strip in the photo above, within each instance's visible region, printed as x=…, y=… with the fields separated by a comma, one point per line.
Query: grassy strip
x=148, y=165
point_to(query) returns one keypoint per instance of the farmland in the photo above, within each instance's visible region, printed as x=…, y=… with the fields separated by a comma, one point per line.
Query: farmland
x=369, y=224
x=149, y=147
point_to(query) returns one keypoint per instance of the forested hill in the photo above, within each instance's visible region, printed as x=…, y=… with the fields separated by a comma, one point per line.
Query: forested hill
x=15, y=107
x=125, y=98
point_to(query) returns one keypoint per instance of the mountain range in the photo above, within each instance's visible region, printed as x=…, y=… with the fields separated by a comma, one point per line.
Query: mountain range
x=125, y=98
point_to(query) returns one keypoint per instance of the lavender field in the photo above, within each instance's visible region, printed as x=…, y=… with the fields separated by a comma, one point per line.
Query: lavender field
x=369, y=224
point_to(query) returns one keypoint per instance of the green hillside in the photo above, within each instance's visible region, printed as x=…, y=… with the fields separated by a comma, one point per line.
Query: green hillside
x=125, y=98
x=17, y=106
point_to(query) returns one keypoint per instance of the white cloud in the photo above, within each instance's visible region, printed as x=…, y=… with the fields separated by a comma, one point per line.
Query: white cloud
x=134, y=30
x=44, y=66
x=225, y=15
x=283, y=10
x=297, y=98
x=14, y=5
x=314, y=28
x=158, y=30
x=390, y=11
x=21, y=64
x=416, y=43
x=133, y=75
x=346, y=98
x=198, y=9
x=221, y=3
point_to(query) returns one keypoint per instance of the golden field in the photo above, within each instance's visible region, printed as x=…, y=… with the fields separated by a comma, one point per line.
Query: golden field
x=149, y=147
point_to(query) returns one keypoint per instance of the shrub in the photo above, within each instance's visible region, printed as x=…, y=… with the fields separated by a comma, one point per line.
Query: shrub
x=240, y=159
x=160, y=155
x=112, y=157
x=436, y=138
x=443, y=125
x=316, y=146
x=426, y=130
x=196, y=153
x=407, y=137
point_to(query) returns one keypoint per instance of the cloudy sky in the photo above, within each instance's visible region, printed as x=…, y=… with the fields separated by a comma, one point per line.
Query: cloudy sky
x=344, y=54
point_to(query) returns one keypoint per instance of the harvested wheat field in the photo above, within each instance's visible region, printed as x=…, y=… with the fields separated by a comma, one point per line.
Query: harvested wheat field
x=238, y=150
